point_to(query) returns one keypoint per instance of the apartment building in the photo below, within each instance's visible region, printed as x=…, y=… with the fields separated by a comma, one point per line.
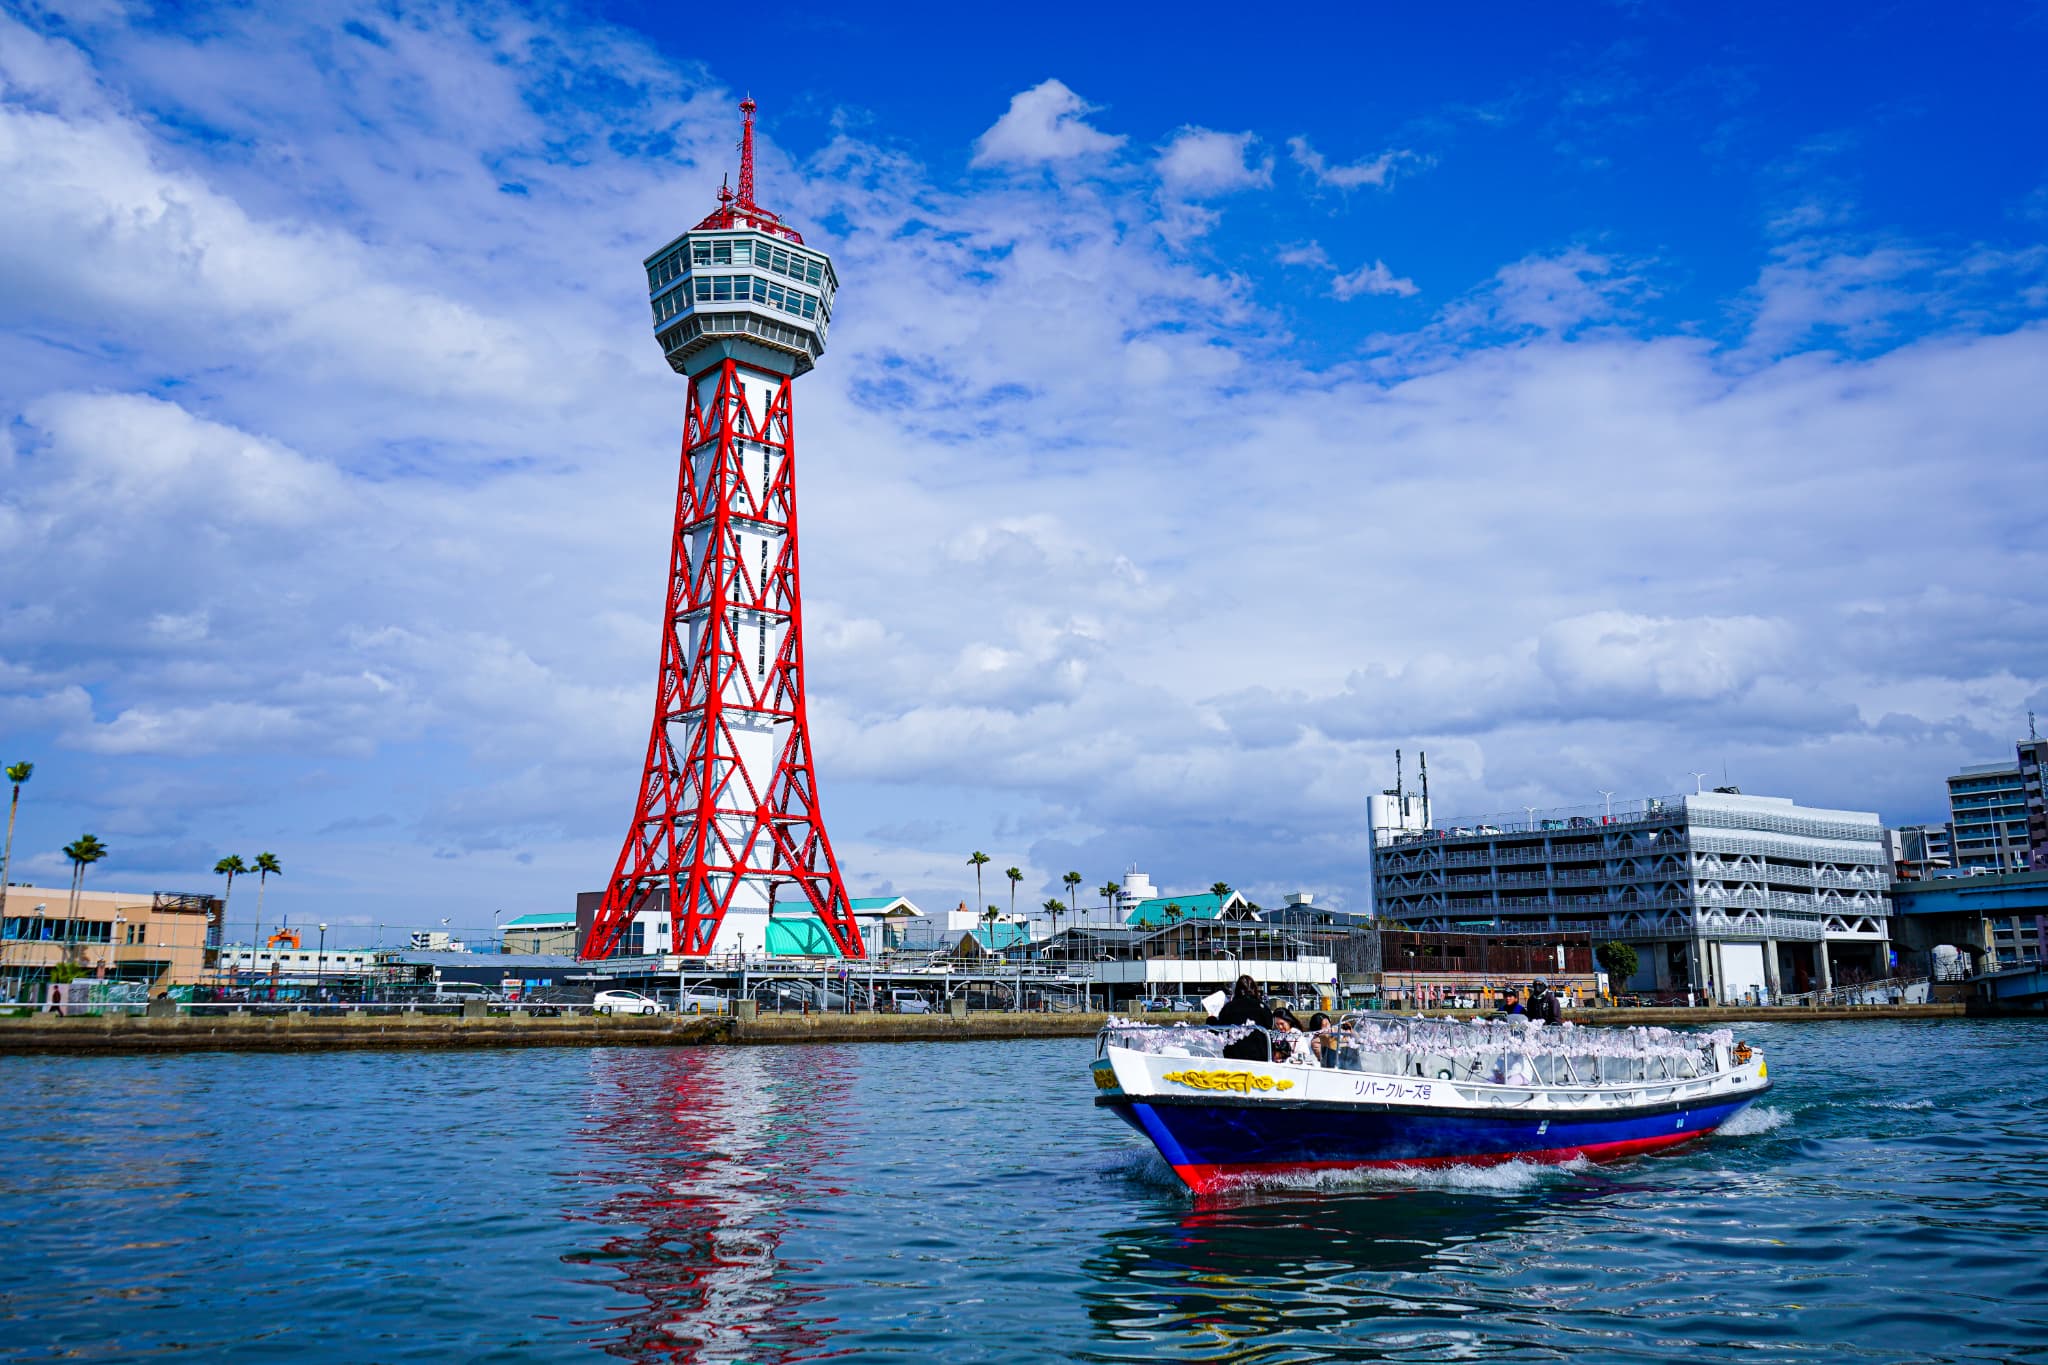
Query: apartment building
x=1988, y=811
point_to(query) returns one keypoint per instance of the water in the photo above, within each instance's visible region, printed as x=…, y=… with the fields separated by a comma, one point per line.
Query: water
x=964, y=1202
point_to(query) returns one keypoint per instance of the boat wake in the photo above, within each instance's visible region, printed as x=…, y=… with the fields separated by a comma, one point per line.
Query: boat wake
x=1506, y=1177
x=1755, y=1120
x=1143, y=1168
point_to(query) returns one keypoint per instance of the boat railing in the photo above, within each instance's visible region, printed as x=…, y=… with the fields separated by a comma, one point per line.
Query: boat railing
x=1514, y=1053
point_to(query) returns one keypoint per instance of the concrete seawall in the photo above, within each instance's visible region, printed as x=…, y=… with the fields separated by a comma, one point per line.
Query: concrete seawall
x=292, y=1033
x=48, y=1033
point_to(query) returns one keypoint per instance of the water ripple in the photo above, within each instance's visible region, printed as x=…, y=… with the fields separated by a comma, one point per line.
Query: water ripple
x=964, y=1201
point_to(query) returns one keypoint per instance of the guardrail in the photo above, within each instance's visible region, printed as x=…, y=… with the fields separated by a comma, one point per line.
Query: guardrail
x=1889, y=990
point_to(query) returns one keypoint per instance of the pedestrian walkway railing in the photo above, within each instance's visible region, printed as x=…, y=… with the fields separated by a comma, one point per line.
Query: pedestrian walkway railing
x=1890, y=990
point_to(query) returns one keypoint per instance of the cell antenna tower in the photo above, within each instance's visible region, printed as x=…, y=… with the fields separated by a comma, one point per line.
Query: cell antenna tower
x=727, y=831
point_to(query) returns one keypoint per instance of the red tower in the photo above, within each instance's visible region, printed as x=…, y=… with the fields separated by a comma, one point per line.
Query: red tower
x=727, y=836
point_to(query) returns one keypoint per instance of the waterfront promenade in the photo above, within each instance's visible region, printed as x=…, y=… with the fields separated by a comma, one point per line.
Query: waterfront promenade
x=224, y=1031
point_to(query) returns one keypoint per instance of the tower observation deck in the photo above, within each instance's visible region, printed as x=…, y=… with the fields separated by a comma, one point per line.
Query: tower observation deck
x=726, y=832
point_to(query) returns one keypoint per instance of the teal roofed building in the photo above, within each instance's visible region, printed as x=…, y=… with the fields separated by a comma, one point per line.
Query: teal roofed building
x=546, y=932
x=1000, y=937
x=1151, y=912
x=883, y=920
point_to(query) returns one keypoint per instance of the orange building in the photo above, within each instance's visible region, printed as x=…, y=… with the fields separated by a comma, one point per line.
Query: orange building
x=158, y=939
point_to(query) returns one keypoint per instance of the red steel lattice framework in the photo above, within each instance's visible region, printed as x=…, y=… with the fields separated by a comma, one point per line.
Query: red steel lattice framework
x=703, y=824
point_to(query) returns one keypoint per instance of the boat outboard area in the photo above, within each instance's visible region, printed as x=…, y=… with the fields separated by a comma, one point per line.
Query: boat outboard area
x=1377, y=1091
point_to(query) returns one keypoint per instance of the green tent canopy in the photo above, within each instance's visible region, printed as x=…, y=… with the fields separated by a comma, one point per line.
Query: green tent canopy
x=800, y=936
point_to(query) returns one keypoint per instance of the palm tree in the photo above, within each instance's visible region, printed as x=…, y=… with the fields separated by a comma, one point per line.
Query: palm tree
x=232, y=867
x=989, y=918
x=1015, y=875
x=1173, y=912
x=978, y=860
x=17, y=773
x=1055, y=909
x=83, y=852
x=1109, y=891
x=1073, y=882
x=1220, y=890
x=266, y=867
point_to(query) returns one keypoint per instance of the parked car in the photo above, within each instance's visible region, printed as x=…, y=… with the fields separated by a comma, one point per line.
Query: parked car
x=694, y=1002
x=909, y=1002
x=462, y=992
x=624, y=1002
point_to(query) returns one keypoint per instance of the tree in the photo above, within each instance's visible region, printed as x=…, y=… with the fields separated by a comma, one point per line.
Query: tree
x=1173, y=912
x=978, y=860
x=1073, y=884
x=1015, y=875
x=1055, y=909
x=989, y=918
x=232, y=867
x=1620, y=961
x=17, y=773
x=1109, y=891
x=83, y=852
x=266, y=867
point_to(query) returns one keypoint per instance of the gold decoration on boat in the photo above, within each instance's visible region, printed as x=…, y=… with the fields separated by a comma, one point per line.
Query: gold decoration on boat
x=1241, y=1082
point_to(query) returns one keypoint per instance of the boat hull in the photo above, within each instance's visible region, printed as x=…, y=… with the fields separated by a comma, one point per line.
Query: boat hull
x=1213, y=1141
x=1219, y=1122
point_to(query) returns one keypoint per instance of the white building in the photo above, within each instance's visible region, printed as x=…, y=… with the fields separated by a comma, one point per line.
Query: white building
x=299, y=960
x=1744, y=897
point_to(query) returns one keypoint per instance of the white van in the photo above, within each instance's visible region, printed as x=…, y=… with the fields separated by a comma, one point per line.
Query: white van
x=909, y=1002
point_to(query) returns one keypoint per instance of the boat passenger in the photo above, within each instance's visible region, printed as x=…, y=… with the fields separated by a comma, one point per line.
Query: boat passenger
x=1323, y=1038
x=1245, y=1006
x=1514, y=1004
x=1290, y=1041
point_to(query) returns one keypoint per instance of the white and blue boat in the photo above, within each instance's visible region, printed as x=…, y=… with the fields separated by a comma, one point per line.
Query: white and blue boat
x=1390, y=1092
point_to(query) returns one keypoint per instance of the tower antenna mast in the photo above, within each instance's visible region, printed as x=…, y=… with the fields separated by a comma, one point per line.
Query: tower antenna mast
x=747, y=153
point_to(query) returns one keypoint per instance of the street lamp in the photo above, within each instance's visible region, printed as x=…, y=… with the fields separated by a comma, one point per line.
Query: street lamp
x=119, y=920
x=320, y=961
x=1610, y=808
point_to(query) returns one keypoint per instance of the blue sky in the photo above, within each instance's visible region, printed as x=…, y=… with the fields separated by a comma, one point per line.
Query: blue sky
x=1211, y=407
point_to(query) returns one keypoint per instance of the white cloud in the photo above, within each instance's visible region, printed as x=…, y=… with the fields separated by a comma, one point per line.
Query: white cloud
x=1371, y=171
x=1550, y=292
x=1098, y=565
x=1047, y=123
x=1618, y=655
x=1371, y=279
x=100, y=231
x=1199, y=162
x=184, y=731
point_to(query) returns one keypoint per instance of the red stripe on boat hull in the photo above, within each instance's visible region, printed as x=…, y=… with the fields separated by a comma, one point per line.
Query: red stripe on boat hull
x=1202, y=1179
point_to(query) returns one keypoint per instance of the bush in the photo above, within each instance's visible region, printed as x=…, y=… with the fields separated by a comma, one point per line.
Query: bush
x=1620, y=961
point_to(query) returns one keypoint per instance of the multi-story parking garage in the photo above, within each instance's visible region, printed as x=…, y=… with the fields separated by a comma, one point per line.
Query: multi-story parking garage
x=1743, y=897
